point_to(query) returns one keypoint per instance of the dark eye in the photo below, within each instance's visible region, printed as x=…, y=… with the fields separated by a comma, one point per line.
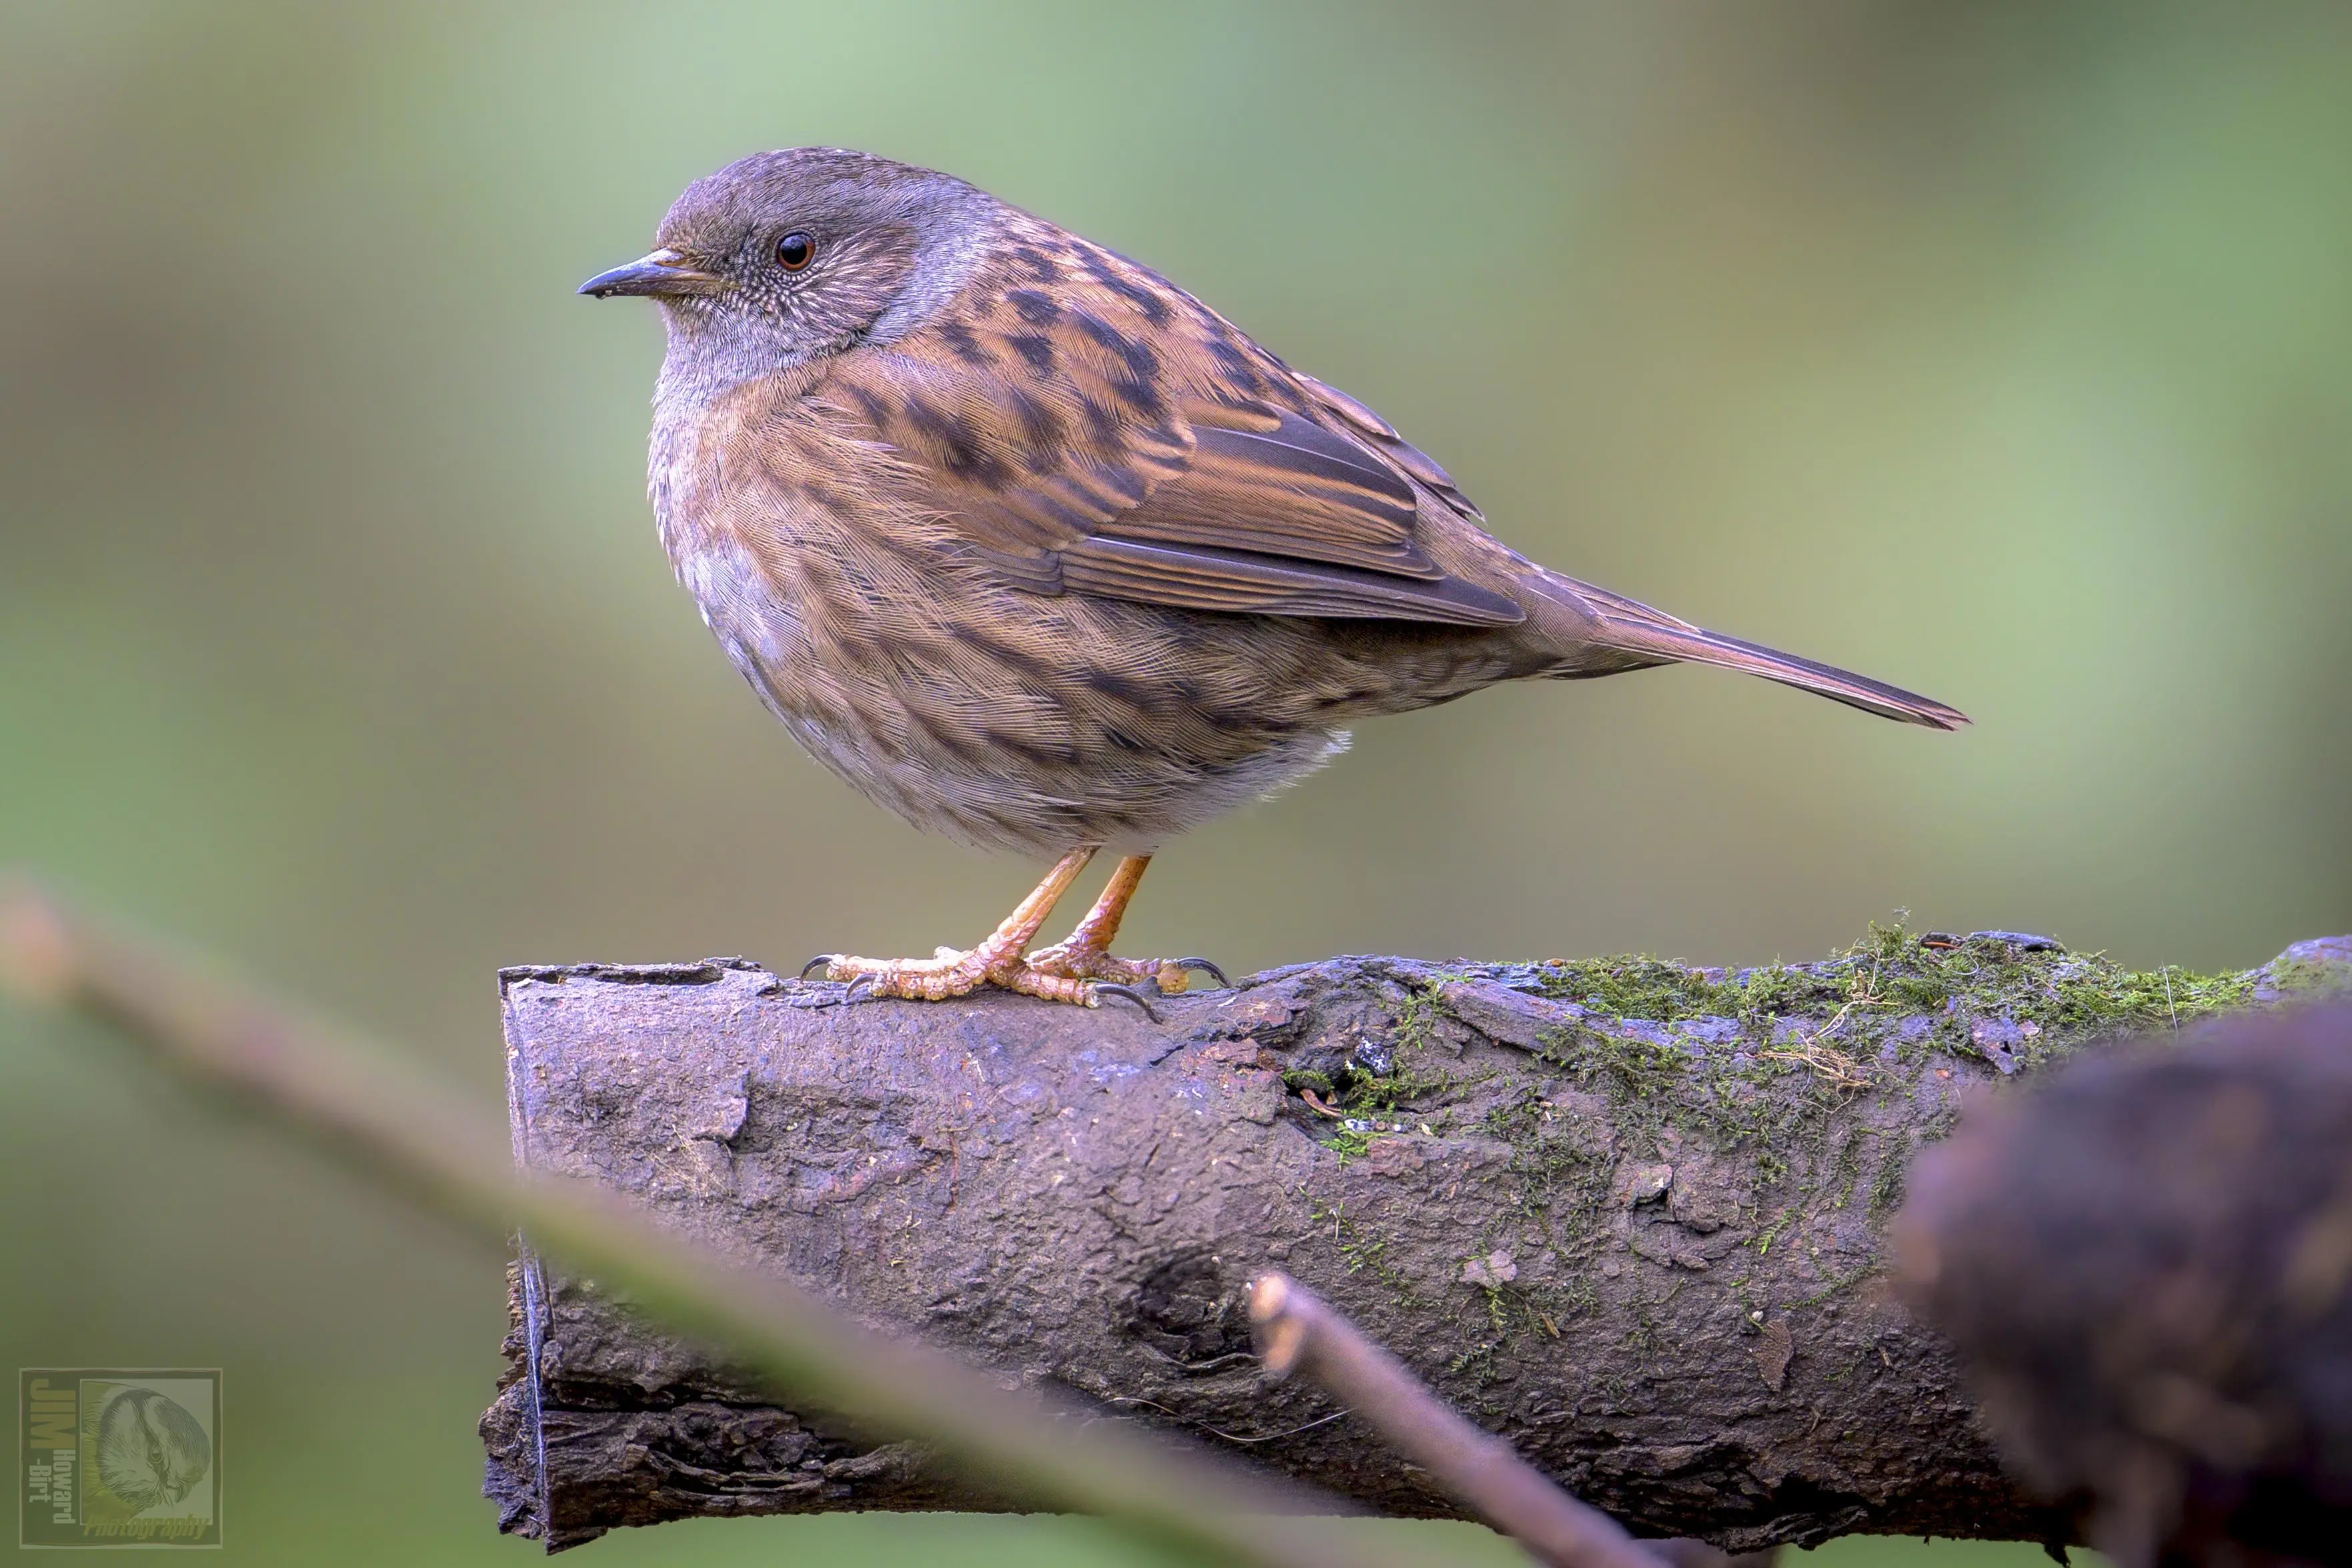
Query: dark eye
x=794, y=251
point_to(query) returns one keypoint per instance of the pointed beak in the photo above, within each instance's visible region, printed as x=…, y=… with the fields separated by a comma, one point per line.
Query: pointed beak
x=663, y=274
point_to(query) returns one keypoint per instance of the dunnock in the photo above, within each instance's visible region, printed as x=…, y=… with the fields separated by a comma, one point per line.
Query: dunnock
x=1032, y=546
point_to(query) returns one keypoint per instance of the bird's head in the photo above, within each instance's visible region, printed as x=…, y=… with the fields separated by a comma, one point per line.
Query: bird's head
x=784, y=256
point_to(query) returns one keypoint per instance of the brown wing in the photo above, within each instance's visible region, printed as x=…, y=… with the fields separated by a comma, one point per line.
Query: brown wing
x=1379, y=433
x=1093, y=430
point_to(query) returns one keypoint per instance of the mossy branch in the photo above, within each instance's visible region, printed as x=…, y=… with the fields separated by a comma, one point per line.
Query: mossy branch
x=1624, y=1215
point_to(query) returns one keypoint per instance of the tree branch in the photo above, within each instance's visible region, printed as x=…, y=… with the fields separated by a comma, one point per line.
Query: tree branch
x=1624, y=1216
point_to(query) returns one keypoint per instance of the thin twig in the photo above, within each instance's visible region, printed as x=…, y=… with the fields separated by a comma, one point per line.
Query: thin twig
x=1296, y=1331
x=1828, y=1063
x=399, y=1127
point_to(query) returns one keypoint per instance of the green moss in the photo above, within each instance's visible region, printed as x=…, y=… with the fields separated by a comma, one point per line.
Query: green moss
x=1785, y=1049
x=2107, y=1001
x=1403, y=1088
x=1552, y=1160
x=2301, y=979
x=1747, y=1093
x=1630, y=1066
x=1865, y=992
x=1778, y=991
x=1360, y=1253
x=1421, y=1011
x=1496, y=1313
x=1886, y=1186
x=1852, y=1363
x=1578, y=1295
x=1836, y=1286
x=2067, y=997
x=1638, y=987
x=1643, y=1339
x=1417, y=1083
x=1847, y=1170
x=1479, y=1359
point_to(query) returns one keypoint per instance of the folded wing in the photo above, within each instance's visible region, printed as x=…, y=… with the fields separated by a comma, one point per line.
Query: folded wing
x=1115, y=438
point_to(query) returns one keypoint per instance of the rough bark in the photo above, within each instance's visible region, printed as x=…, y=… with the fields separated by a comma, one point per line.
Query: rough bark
x=1625, y=1214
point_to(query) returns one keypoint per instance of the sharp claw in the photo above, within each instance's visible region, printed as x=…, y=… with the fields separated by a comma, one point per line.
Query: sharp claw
x=821, y=958
x=849, y=993
x=1130, y=993
x=1206, y=968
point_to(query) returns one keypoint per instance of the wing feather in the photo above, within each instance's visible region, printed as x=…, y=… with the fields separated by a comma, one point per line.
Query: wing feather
x=1110, y=435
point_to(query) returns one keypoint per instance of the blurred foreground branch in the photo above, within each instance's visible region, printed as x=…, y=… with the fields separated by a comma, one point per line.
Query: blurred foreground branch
x=396, y=1125
x=2147, y=1265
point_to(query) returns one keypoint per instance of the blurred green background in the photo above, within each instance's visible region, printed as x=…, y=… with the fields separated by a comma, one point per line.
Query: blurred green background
x=2001, y=350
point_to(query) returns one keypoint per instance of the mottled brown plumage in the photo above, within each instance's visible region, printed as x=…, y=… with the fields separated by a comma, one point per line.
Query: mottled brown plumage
x=1035, y=549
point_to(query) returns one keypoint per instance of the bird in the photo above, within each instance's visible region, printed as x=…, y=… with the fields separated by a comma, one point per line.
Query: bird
x=1033, y=549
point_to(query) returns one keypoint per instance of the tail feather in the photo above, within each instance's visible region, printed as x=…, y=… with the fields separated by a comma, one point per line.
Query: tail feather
x=1635, y=629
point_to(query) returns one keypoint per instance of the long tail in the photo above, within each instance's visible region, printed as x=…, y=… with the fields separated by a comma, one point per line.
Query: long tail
x=1650, y=636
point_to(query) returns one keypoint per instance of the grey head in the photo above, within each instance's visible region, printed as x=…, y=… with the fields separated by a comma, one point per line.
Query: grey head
x=784, y=257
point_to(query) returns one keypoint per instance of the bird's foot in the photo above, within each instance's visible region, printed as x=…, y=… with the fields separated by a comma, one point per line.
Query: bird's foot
x=953, y=973
x=1078, y=959
x=1077, y=971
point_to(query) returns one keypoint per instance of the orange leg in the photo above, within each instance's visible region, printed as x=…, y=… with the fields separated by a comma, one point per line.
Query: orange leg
x=1078, y=971
x=998, y=958
x=1086, y=954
